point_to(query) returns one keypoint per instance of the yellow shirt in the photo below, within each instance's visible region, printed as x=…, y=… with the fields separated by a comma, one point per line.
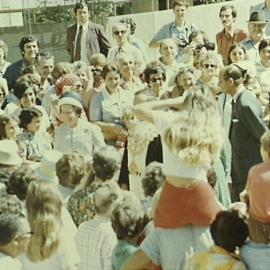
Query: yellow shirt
x=216, y=258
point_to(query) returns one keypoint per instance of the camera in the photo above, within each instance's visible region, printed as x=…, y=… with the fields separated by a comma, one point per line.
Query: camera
x=209, y=46
x=183, y=43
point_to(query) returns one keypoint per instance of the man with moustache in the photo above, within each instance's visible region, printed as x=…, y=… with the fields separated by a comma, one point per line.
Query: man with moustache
x=230, y=35
x=29, y=48
x=256, y=28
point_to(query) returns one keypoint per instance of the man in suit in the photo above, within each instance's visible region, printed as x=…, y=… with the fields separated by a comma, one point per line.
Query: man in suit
x=85, y=38
x=246, y=129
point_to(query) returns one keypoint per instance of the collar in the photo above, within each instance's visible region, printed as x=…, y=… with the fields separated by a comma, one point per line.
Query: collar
x=238, y=93
x=183, y=27
x=220, y=250
x=84, y=26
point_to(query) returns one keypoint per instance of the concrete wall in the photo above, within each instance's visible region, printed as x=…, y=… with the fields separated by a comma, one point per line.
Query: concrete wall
x=204, y=16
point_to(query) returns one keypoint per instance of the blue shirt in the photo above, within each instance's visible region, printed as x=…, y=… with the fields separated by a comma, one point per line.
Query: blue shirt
x=14, y=71
x=256, y=256
x=171, y=30
x=121, y=253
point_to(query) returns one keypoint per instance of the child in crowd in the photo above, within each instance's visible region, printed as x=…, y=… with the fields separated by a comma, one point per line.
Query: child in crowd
x=257, y=251
x=105, y=167
x=95, y=238
x=152, y=181
x=229, y=232
x=128, y=221
x=33, y=142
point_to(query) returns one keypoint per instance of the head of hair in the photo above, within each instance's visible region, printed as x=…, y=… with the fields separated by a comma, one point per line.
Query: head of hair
x=10, y=204
x=264, y=43
x=131, y=22
x=81, y=66
x=44, y=210
x=43, y=56
x=70, y=169
x=227, y=7
x=154, y=68
x=79, y=5
x=20, y=180
x=27, y=115
x=153, y=178
x=234, y=46
x=5, y=119
x=183, y=70
x=235, y=72
x=265, y=141
x=213, y=56
x=128, y=219
x=229, y=230
x=21, y=87
x=196, y=33
x=98, y=59
x=43, y=197
x=189, y=136
x=4, y=47
x=109, y=68
x=106, y=197
x=106, y=162
x=10, y=226
x=180, y=3
x=61, y=68
x=27, y=39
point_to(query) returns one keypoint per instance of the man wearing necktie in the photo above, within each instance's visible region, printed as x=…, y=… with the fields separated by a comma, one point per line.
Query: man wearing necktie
x=85, y=38
x=246, y=129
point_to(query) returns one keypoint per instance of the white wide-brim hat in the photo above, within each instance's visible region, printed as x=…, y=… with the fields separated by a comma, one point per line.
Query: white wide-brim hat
x=9, y=153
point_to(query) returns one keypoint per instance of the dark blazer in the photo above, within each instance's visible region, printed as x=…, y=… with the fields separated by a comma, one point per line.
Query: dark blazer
x=96, y=40
x=247, y=127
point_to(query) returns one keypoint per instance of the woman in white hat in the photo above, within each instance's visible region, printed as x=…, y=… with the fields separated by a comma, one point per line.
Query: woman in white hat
x=76, y=133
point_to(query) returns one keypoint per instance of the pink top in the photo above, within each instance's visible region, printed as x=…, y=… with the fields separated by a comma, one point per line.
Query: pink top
x=258, y=188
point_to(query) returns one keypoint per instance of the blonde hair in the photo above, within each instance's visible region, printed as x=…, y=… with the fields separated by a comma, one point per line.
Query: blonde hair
x=44, y=210
x=196, y=136
x=265, y=141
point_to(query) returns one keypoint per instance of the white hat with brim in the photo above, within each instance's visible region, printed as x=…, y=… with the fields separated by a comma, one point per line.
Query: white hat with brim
x=9, y=153
x=46, y=171
x=70, y=101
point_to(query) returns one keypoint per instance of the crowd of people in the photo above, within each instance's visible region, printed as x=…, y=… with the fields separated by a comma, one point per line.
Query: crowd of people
x=110, y=161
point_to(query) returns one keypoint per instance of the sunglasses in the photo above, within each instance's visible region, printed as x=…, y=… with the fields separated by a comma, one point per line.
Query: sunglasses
x=210, y=65
x=119, y=32
x=155, y=79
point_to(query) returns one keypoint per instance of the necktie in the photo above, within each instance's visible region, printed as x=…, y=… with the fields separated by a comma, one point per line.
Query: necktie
x=77, y=55
x=232, y=117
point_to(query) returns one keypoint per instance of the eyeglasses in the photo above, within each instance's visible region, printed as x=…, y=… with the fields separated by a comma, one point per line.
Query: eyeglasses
x=119, y=32
x=78, y=86
x=210, y=66
x=155, y=79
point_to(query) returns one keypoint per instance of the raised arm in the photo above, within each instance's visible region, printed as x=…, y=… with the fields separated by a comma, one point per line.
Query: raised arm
x=145, y=111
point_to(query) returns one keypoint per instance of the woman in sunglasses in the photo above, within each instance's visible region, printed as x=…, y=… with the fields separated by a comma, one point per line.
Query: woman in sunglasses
x=120, y=34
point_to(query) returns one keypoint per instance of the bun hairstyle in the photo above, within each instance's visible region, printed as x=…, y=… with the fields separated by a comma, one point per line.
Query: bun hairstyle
x=196, y=136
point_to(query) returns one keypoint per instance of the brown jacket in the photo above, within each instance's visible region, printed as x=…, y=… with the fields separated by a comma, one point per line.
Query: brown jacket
x=96, y=40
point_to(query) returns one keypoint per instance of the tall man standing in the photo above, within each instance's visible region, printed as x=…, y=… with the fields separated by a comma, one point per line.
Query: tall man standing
x=179, y=30
x=230, y=35
x=85, y=38
x=246, y=129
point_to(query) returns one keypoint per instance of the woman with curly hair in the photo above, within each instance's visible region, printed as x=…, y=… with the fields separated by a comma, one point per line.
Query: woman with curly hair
x=187, y=203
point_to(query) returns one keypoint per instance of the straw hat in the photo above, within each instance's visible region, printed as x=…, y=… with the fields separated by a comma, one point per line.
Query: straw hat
x=47, y=170
x=9, y=153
